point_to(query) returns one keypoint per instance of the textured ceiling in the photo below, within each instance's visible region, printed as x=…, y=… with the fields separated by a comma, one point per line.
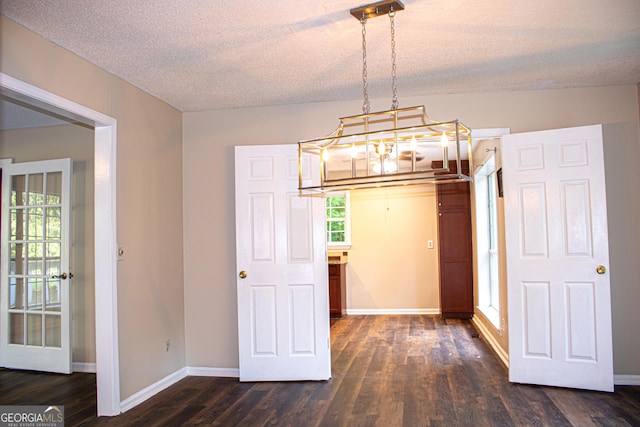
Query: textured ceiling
x=206, y=54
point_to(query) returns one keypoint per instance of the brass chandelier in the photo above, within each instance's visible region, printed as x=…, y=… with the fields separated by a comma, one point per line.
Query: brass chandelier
x=400, y=146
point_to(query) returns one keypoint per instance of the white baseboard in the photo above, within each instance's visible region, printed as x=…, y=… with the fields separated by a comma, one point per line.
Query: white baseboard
x=198, y=371
x=626, y=379
x=382, y=311
x=152, y=390
x=89, y=368
x=502, y=355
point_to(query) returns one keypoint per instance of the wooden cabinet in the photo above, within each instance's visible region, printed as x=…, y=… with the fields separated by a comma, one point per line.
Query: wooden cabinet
x=456, y=257
x=337, y=290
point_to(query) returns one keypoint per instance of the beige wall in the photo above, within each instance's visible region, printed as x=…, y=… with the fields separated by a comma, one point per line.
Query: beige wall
x=389, y=264
x=208, y=138
x=75, y=142
x=149, y=199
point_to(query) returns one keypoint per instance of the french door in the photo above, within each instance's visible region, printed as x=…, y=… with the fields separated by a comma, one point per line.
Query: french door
x=35, y=276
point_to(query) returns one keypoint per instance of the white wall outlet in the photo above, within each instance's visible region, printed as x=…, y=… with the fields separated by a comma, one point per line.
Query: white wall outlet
x=430, y=244
x=168, y=344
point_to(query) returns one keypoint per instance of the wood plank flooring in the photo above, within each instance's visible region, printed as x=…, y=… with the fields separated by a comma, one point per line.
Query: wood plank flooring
x=387, y=371
x=77, y=392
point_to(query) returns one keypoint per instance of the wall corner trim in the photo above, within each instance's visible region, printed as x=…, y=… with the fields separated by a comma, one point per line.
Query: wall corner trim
x=502, y=355
x=150, y=391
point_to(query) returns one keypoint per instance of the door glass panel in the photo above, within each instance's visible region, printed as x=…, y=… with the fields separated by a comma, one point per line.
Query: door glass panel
x=36, y=190
x=34, y=293
x=53, y=295
x=16, y=293
x=54, y=331
x=35, y=226
x=17, y=224
x=52, y=228
x=54, y=188
x=17, y=259
x=34, y=329
x=17, y=190
x=34, y=258
x=16, y=328
x=52, y=259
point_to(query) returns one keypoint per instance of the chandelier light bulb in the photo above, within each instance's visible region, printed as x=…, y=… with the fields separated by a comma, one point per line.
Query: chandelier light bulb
x=388, y=165
x=325, y=155
x=444, y=140
x=413, y=145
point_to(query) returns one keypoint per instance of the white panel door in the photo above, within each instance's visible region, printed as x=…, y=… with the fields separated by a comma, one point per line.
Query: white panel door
x=35, y=308
x=557, y=258
x=283, y=298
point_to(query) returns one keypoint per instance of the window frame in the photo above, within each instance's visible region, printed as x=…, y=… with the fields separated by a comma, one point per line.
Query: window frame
x=347, y=222
x=488, y=246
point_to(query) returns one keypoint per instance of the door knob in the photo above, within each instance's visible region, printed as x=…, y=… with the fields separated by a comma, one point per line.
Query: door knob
x=601, y=269
x=243, y=274
x=62, y=276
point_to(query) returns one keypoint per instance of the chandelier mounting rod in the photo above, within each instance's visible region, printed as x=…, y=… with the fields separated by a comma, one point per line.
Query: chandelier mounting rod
x=379, y=8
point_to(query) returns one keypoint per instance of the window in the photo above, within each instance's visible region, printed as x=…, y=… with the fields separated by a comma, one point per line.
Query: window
x=487, y=238
x=338, y=221
x=494, y=272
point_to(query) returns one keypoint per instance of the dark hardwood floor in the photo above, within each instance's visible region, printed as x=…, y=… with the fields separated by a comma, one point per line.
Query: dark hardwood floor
x=77, y=392
x=387, y=371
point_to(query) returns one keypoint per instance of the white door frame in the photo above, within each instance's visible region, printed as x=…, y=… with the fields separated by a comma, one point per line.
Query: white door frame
x=105, y=138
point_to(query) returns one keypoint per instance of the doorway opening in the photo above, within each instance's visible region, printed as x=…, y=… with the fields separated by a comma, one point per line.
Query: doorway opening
x=107, y=365
x=379, y=209
x=393, y=262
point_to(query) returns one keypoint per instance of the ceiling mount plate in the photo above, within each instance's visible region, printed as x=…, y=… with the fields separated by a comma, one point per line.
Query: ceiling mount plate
x=376, y=9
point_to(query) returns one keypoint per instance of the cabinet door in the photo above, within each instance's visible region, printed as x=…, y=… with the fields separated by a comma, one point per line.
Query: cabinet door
x=454, y=196
x=334, y=295
x=456, y=274
x=337, y=290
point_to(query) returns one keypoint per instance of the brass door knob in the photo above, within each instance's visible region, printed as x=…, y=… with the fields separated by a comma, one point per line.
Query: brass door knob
x=601, y=269
x=62, y=276
x=243, y=274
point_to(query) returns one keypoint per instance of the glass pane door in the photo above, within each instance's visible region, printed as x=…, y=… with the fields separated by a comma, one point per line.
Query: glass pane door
x=34, y=267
